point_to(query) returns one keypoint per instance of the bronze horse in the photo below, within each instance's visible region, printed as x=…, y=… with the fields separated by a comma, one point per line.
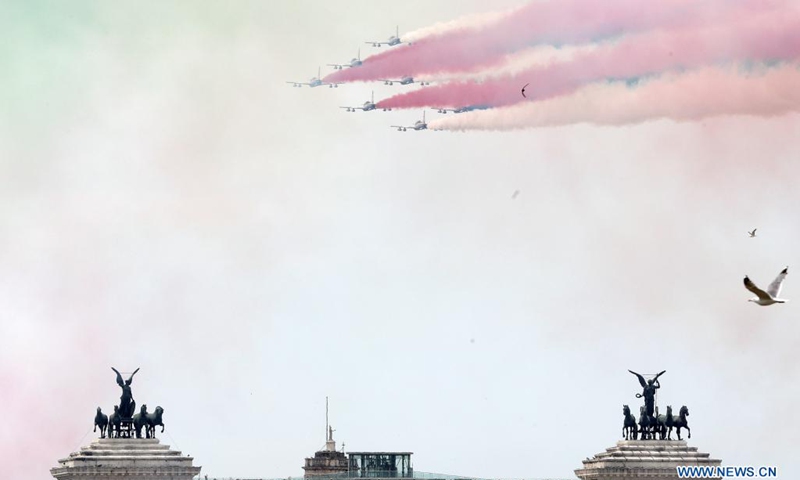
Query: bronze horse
x=100, y=420
x=139, y=421
x=154, y=420
x=682, y=422
x=660, y=424
x=645, y=424
x=115, y=423
x=629, y=430
x=149, y=421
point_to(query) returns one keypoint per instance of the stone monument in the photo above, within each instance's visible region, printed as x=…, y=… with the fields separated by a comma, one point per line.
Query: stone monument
x=121, y=451
x=648, y=450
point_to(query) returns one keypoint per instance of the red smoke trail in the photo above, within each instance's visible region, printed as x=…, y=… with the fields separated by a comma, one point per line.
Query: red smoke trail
x=767, y=37
x=549, y=22
x=707, y=92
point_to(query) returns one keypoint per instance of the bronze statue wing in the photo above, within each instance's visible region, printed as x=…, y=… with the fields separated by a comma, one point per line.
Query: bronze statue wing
x=130, y=379
x=119, y=377
x=641, y=378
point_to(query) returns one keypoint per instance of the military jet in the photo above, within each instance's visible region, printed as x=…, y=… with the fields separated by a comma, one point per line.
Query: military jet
x=356, y=62
x=393, y=40
x=368, y=105
x=403, y=81
x=418, y=125
x=315, y=82
x=463, y=109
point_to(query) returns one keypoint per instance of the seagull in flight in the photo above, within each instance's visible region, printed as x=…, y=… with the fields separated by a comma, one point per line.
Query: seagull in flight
x=523, y=89
x=753, y=233
x=771, y=295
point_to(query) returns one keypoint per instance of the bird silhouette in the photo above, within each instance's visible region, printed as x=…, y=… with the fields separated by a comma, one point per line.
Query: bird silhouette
x=523, y=89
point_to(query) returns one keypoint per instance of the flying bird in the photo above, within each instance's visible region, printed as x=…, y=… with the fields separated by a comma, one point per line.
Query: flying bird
x=771, y=295
x=514, y=195
x=753, y=233
x=523, y=89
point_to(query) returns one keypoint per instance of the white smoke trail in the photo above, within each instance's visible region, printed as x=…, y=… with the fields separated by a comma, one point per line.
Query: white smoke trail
x=706, y=92
x=467, y=22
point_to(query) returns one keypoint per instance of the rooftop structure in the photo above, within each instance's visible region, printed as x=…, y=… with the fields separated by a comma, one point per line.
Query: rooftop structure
x=380, y=465
x=327, y=462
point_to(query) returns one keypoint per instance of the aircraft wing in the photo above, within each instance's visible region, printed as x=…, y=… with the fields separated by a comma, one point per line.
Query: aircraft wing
x=338, y=65
x=299, y=83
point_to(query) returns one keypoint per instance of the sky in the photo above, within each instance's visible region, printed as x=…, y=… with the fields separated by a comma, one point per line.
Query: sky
x=170, y=203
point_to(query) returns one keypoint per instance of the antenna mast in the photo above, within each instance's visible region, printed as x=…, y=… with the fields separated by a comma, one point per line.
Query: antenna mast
x=326, y=419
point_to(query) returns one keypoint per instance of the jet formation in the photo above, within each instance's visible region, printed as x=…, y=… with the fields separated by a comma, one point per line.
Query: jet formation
x=393, y=40
x=367, y=106
x=468, y=108
x=356, y=62
x=315, y=82
x=418, y=125
x=370, y=105
x=404, y=81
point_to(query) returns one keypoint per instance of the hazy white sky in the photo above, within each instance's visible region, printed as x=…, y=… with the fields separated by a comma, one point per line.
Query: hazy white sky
x=169, y=203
